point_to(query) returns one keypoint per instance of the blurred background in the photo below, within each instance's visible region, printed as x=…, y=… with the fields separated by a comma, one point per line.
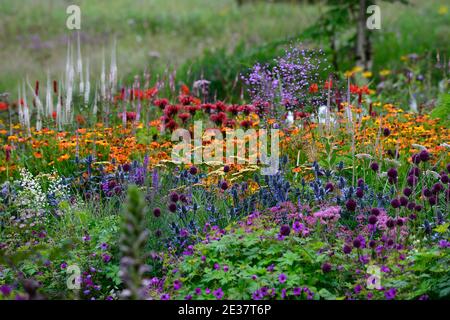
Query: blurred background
x=212, y=39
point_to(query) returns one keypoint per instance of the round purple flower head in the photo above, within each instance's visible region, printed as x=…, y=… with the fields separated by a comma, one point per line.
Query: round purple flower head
x=351, y=205
x=373, y=219
x=193, y=170
x=424, y=155
x=172, y=207
x=285, y=230
x=395, y=203
x=282, y=278
x=374, y=166
x=392, y=173
x=157, y=212
x=326, y=267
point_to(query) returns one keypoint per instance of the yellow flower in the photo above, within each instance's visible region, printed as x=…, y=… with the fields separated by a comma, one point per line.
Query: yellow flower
x=348, y=73
x=357, y=69
x=385, y=72
x=443, y=10
x=367, y=74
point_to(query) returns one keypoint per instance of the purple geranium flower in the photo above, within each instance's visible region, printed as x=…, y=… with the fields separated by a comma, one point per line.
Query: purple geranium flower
x=282, y=278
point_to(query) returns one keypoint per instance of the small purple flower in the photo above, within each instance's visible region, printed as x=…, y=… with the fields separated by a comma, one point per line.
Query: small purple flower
x=5, y=290
x=106, y=258
x=218, y=293
x=177, y=285
x=63, y=265
x=444, y=244
x=104, y=246
x=385, y=269
x=165, y=296
x=297, y=291
x=390, y=294
x=358, y=289
x=198, y=291
x=282, y=278
x=216, y=266
x=225, y=268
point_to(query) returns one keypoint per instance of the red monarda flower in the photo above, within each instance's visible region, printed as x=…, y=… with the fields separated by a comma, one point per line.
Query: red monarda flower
x=80, y=119
x=208, y=107
x=54, y=115
x=185, y=90
x=328, y=84
x=7, y=149
x=247, y=109
x=221, y=106
x=171, y=125
x=219, y=118
x=170, y=110
x=300, y=115
x=192, y=109
x=184, y=117
x=246, y=123
x=186, y=100
x=234, y=109
x=161, y=103
x=150, y=93
x=3, y=106
x=313, y=88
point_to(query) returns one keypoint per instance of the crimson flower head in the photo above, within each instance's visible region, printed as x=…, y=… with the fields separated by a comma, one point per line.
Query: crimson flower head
x=184, y=117
x=161, y=103
x=313, y=88
x=3, y=106
x=328, y=84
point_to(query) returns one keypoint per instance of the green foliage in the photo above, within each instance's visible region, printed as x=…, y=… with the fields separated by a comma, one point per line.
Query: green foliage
x=442, y=109
x=133, y=240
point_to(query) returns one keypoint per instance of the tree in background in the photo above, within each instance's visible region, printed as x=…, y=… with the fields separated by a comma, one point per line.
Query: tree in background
x=343, y=24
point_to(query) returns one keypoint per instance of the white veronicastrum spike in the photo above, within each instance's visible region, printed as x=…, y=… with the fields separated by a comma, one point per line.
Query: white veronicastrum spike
x=113, y=69
x=87, y=88
x=347, y=107
x=39, y=107
x=103, y=77
x=48, y=97
x=26, y=110
x=21, y=118
x=80, y=64
x=58, y=111
x=95, y=109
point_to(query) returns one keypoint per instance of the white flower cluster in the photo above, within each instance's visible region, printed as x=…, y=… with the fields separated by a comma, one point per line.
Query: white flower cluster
x=31, y=194
x=57, y=188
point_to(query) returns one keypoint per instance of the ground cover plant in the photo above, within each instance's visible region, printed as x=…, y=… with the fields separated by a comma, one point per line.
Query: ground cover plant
x=94, y=205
